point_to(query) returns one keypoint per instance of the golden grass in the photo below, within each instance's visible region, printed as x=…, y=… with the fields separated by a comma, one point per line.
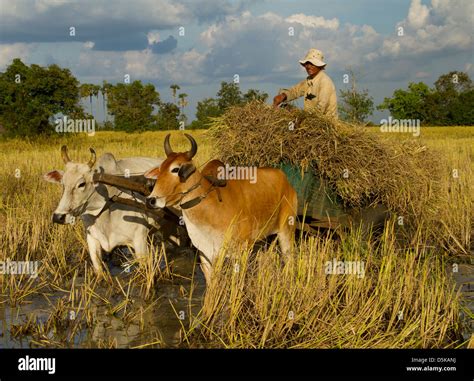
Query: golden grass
x=405, y=300
x=251, y=307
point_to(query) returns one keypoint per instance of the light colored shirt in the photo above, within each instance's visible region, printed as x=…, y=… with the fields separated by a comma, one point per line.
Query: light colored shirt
x=319, y=92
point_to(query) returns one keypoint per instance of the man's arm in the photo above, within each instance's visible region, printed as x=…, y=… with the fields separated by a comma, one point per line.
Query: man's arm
x=295, y=92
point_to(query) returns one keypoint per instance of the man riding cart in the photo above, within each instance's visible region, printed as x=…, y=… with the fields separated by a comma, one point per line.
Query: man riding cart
x=317, y=88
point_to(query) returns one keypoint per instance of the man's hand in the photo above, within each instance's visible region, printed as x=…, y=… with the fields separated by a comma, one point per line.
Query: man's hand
x=278, y=99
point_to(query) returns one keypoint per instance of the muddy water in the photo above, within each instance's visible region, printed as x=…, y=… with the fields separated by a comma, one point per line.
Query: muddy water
x=159, y=325
x=464, y=279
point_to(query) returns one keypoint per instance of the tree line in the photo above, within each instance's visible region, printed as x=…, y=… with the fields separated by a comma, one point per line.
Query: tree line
x=449, y=103
x=31, y=97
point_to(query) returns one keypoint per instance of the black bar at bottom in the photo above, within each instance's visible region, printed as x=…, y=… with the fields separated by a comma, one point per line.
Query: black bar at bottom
x=72, y=364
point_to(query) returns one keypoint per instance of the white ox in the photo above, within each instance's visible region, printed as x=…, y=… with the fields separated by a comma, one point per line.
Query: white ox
x=107, y=224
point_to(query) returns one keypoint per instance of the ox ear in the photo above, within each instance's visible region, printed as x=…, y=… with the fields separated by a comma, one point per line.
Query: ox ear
x=55, y=176
x=185, y=171
x=152, y=173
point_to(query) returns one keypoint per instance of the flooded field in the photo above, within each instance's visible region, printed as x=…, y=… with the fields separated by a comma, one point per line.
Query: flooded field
x=465, y=281
x=139, y=323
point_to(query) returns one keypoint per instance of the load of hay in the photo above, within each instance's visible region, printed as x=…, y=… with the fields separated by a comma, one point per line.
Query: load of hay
x=362, y=167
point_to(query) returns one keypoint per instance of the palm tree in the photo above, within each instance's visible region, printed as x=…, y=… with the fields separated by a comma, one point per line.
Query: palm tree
x=89, y=90
x=104, y=89
x=84, y=90
x=174, y=88
x=94, y=92
x=183, y=103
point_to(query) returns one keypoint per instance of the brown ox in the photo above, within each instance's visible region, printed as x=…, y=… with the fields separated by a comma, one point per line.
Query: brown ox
x=214, y=210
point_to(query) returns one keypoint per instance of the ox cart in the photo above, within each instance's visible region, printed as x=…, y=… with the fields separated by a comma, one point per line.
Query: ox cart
x=318, y=206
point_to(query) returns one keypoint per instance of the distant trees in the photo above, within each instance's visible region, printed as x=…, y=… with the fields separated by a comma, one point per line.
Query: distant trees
x=254, y=95
x=355, y=105
x=410, y=103
x=450, y=102
x=132, y=106
x=136, y=107
x=31, y=95
x=454, y=99
x=205, y=110
x=228, y=95
x=167, y=118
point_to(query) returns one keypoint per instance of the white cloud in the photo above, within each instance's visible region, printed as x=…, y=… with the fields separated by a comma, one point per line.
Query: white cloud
x=439, y=28
x=262, y=47
x=88, y=44
x=44, y=5
x=180, y=67
x=45, y=20
x=313, y=21
x=10, y=51
x=259, y=47
x=153, y=37
x=418, y=14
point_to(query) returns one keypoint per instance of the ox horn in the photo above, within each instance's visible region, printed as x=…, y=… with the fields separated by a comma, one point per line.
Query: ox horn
x=92, y=159
x=190, y=154
x=168, y=150
x=64, y=155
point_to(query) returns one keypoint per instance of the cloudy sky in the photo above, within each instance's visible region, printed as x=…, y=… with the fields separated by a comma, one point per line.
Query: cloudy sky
x=199, y=43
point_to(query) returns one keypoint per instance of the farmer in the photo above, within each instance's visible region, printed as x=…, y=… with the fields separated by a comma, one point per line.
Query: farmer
x=318, y=89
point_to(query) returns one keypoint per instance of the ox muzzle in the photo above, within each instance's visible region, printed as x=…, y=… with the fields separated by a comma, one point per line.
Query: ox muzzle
x=151, y=202
x=59, y=218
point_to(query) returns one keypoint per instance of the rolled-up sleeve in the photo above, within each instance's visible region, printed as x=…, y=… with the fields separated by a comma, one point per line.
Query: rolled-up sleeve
x=296, y=91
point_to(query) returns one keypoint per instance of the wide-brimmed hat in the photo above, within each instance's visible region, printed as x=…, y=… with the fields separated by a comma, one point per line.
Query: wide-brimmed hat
x=314, y=56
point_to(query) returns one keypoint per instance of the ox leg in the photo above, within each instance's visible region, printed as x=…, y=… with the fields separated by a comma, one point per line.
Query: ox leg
x=141, y=248
x=287, y=225
x=286, y=236
x=284, y=239
x=206, y=269
x=95, y=251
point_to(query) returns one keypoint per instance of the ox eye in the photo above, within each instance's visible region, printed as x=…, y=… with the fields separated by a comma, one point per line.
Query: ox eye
x=81, y=185
x=175, y=170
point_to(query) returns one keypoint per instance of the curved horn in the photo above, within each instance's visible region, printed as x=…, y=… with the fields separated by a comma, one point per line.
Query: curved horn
x=168, y=150
x=92, y=159
x=190, y=154
x=64, y=155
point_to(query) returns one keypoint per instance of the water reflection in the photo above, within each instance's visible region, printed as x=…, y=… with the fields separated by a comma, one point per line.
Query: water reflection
x=156, y=322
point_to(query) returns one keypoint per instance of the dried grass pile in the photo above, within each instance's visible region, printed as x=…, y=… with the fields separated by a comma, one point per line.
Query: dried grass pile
x=362, y=167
